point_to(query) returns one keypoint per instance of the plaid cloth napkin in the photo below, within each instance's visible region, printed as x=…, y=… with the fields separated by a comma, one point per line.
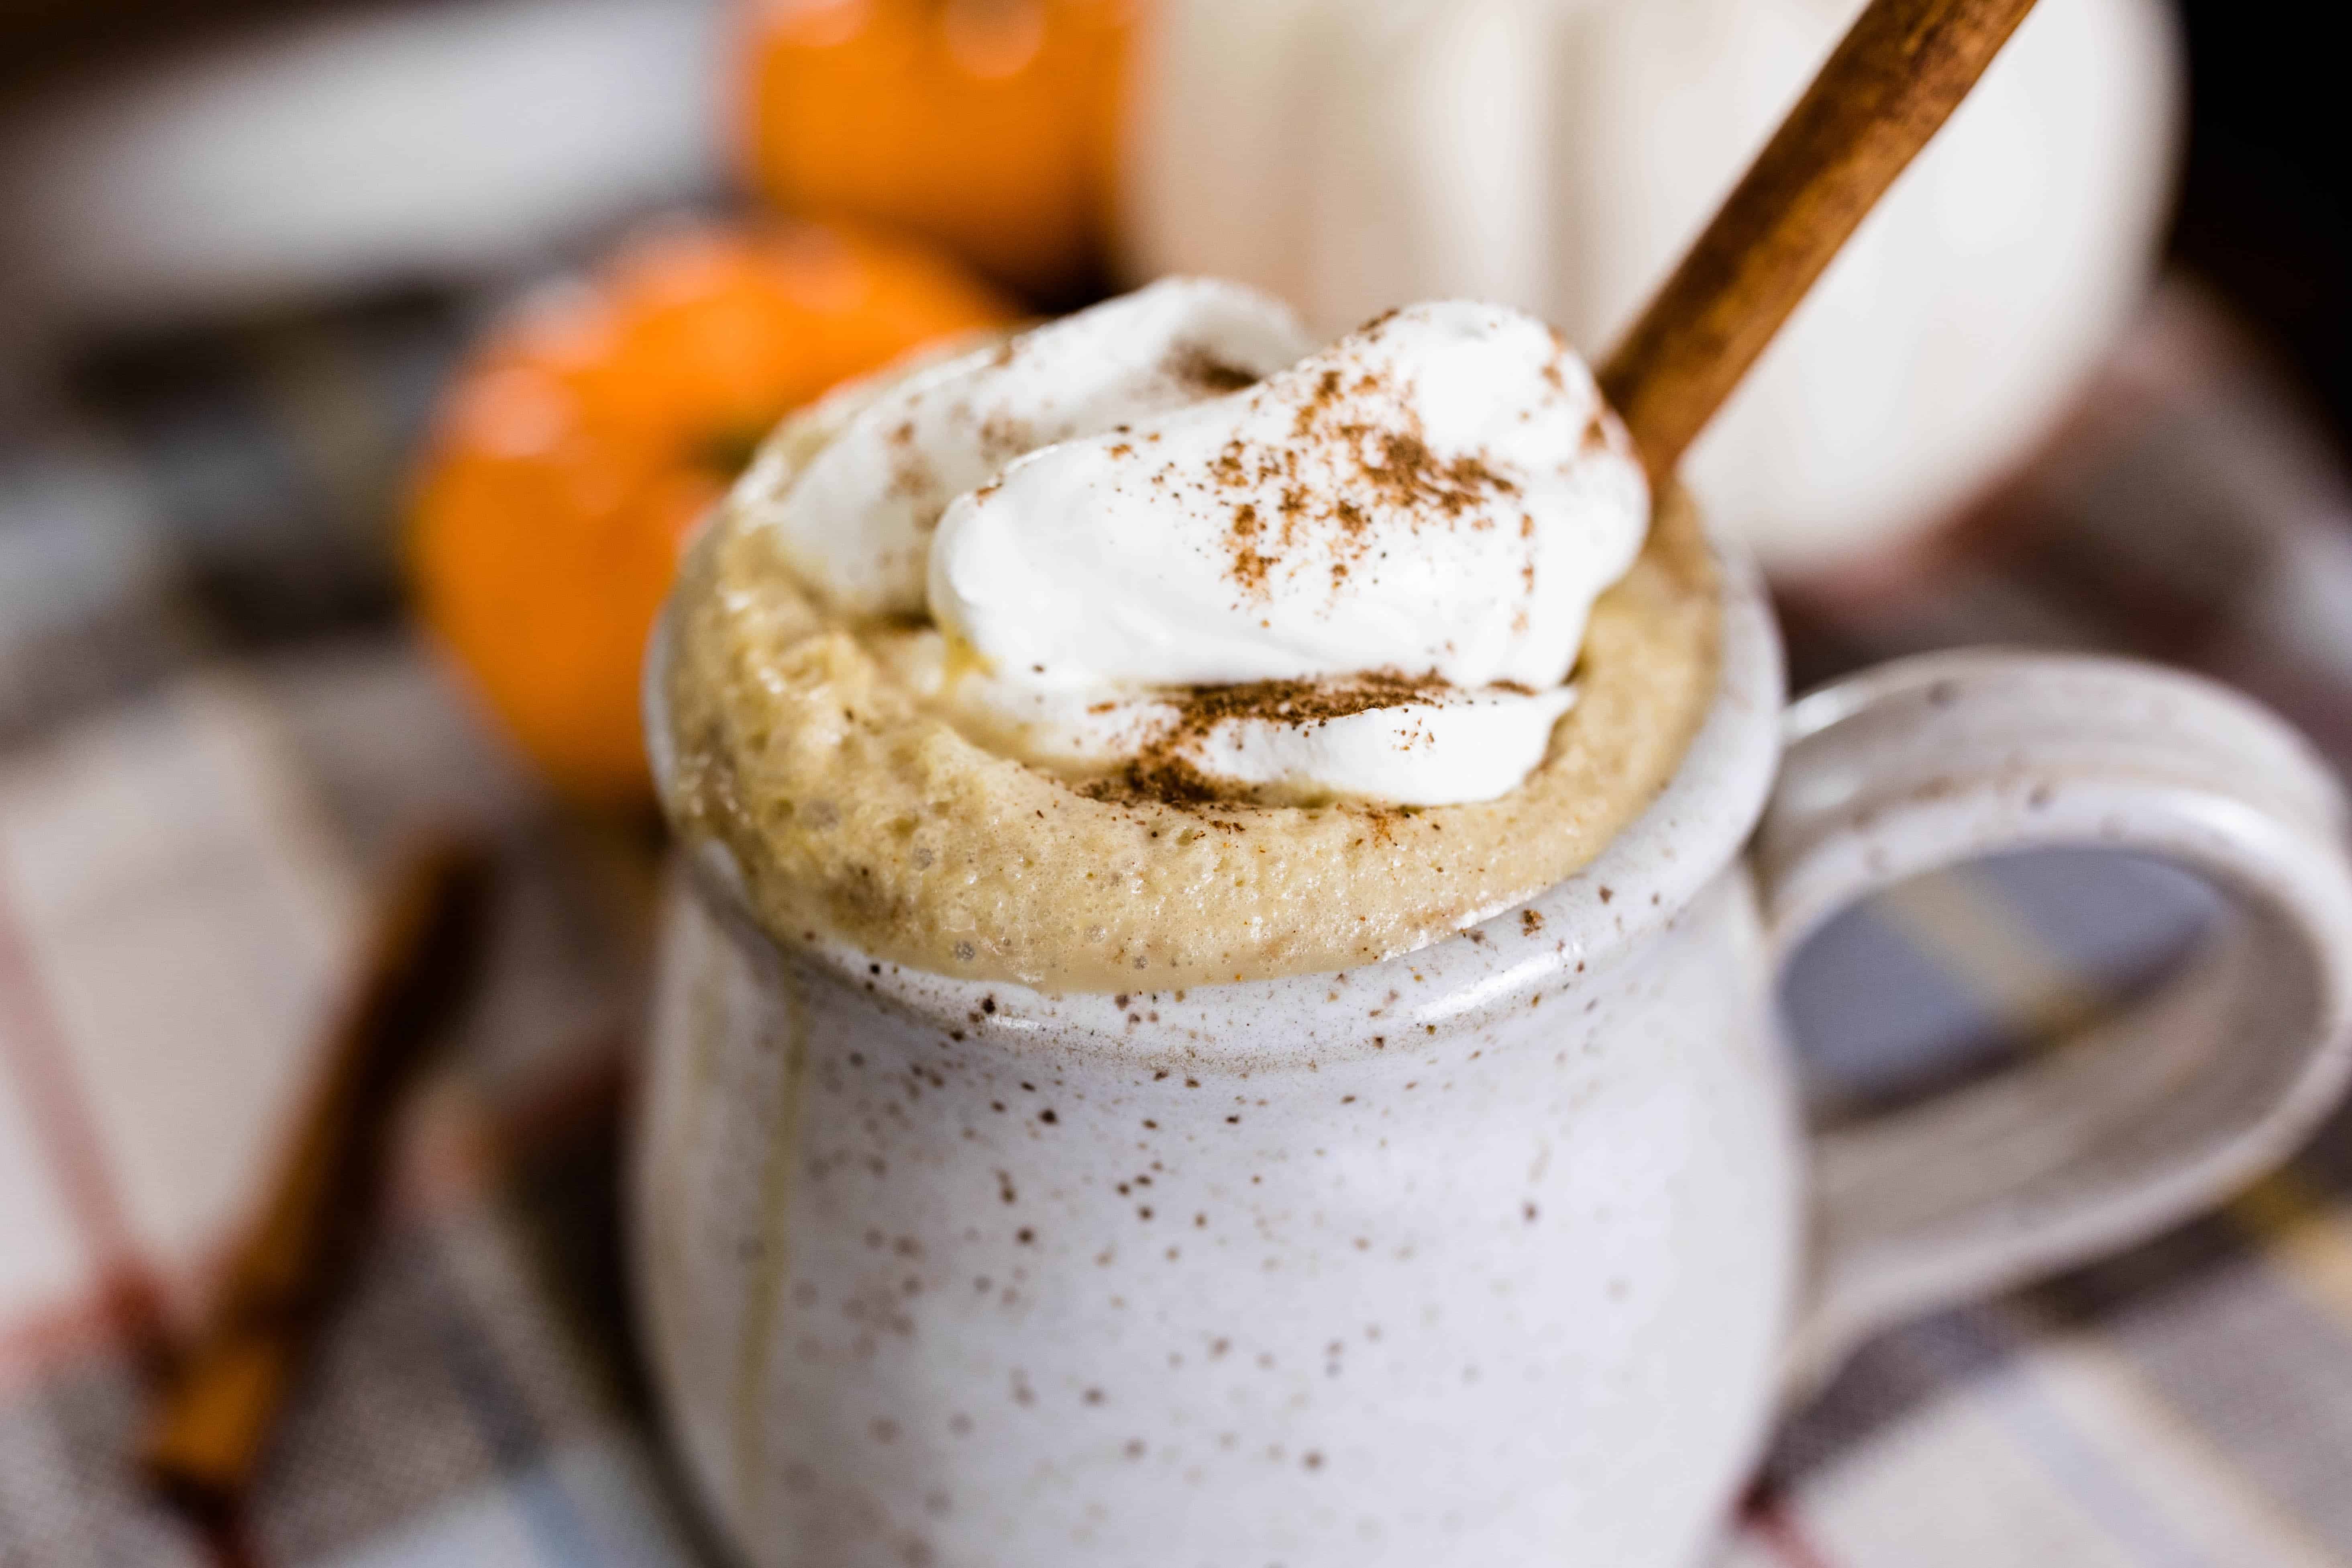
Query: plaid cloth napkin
x=193, y=804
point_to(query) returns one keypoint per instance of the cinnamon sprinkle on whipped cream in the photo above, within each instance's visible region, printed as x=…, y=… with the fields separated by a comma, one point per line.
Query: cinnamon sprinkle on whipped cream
x=1171, y=552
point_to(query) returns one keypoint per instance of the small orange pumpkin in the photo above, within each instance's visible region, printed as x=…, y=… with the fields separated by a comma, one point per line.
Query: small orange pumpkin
x=989, y=126
x=601, y=419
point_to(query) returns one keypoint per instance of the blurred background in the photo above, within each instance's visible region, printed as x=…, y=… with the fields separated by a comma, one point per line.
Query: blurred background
x=362, y=363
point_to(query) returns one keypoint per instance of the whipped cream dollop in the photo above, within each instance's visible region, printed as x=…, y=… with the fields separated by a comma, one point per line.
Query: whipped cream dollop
x=857, y=519
x=1195, y=552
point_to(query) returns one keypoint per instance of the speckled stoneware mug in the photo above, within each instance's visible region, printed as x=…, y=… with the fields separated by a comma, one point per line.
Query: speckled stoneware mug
x=1498, y=1253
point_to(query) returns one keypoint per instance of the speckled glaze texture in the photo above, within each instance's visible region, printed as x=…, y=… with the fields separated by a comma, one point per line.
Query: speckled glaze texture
x=1066, y=1290
x=1482, y=1254
x=2148, y=1115
x=1495, y=1255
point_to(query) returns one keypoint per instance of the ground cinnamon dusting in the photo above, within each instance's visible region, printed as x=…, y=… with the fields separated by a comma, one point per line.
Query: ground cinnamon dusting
x=1408, y=474
x=1250, y=567
x=1003, y=437
x=1386, y=464
x=1196, y=366
x=911, y=474
x=1160, y=771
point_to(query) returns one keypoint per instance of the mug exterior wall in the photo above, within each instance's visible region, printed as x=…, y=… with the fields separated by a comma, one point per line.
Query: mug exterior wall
x=1060, y=1281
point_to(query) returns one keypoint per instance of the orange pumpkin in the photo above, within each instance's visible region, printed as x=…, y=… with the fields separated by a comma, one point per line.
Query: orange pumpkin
x=989, y=125
x=600, y=420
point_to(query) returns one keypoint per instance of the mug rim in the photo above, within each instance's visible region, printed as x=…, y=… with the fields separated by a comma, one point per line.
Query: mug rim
x=1641, y=882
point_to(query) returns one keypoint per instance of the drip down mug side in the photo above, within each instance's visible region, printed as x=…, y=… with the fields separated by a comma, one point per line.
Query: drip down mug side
x=1482, y=1253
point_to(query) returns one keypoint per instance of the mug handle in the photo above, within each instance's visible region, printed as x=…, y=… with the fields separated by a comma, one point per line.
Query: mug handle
x=2146, y=1118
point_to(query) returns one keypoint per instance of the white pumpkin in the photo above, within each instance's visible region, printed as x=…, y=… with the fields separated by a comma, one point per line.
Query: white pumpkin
x=1559, y=155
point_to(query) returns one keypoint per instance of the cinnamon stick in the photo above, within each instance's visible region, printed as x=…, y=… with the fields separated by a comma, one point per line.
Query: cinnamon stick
x=1890, y=82
x=205, y=1437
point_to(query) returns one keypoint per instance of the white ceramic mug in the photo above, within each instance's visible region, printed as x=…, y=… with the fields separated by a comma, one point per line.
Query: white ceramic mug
x=1498, y=1253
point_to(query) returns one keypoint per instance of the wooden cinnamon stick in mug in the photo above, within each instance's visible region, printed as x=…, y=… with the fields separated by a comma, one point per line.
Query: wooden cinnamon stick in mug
x=205, y=1439
x=1890, y=82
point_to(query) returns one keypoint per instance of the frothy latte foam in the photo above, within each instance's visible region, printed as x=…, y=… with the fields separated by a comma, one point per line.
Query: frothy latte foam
x=1156, y=648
